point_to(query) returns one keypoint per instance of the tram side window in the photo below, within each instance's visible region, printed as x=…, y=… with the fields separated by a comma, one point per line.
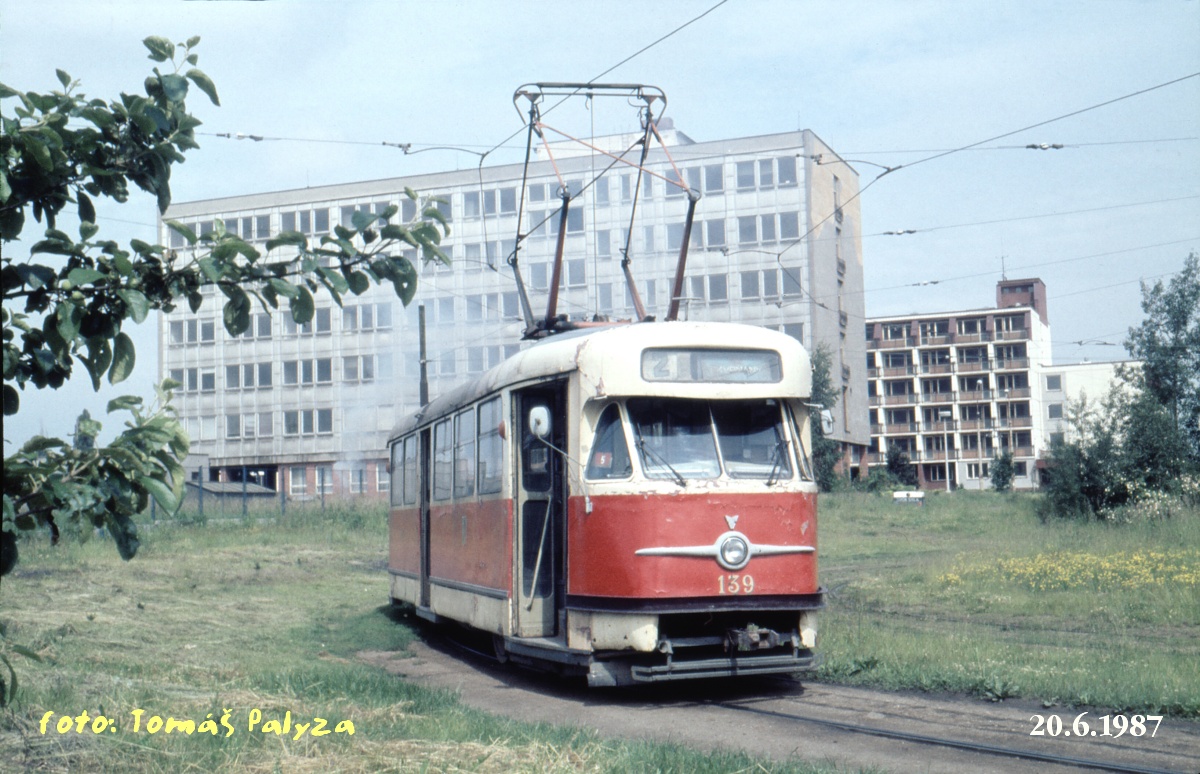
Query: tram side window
x=397, y=472
x=491, y=447
x=464, y=453
x=411, y=474
x=610, y=455
x=443, y=460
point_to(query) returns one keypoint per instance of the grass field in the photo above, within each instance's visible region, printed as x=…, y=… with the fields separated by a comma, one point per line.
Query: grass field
x=239, y=618
x=972, y=593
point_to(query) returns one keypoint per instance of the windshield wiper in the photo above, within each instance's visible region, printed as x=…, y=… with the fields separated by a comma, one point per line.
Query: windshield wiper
x=778, y=457
x=647, y=452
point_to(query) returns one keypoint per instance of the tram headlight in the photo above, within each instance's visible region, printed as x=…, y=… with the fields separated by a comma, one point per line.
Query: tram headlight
x=734, y=553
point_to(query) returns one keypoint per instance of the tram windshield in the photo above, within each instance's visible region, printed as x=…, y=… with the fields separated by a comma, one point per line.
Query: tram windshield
x=684, y=439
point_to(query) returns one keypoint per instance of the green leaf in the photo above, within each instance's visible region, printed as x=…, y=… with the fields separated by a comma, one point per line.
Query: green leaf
x=87, y=210
x=63, y=78
x=160, y=492
x=40, y=443
x=195, y=301
x=358, y=282
x=83, y=276
x=237, y=311
x=137, y=303
x=175, y=87
x=302, y=306
x=287, y=238
x=98, y=359
x=68, y=316
x=193, y=41
x=404, y=280
x=161, y=49
x=124, y=533
x=283, y=287
x=124, y=357
x=124, y=403
x=205, y=84
x=12, y=401
x=362, y=219
x=183, y=230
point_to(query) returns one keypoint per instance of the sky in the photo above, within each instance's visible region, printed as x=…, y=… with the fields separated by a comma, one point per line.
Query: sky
x=886, y=84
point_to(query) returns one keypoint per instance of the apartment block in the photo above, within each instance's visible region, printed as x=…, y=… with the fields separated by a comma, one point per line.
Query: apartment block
x=776, y=243
x=954, y=390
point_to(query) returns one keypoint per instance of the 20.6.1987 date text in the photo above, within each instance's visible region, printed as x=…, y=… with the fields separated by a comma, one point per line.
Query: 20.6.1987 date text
x=1104, y=725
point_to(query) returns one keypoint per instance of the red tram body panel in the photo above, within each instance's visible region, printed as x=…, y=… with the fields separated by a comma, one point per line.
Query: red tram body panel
x=600, y=544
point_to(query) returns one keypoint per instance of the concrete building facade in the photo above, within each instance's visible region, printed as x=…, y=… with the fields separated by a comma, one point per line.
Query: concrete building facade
x=953, y=390
x=776, y=243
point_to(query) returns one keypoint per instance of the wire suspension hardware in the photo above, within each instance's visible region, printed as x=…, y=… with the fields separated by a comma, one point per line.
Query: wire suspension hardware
x=649, y=97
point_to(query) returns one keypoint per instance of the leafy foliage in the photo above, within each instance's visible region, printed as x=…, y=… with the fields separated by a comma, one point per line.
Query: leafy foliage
x=67, y=303
x=826, y=451
x=1168, y=344
x=1143, y=441
x=900, y=468
x=1002, y=472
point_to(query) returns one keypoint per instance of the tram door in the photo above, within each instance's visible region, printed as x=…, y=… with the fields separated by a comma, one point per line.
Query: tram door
x=541, y=510
x=424, y=449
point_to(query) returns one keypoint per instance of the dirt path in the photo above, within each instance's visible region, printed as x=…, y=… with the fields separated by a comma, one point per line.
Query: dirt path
x=753, y=716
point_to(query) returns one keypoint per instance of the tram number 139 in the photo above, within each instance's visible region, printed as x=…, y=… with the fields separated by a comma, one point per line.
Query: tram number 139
x=735, y=584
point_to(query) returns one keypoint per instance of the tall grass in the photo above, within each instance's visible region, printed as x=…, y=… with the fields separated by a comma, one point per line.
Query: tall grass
x=975, y=593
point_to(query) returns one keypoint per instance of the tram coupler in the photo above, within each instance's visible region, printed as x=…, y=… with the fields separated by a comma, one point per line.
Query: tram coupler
x=751, y=638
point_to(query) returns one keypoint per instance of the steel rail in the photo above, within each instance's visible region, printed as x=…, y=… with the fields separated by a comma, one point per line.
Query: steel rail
x=1007, y=752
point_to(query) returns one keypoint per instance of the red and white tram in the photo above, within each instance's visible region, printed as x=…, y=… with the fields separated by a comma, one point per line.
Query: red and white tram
x=631, y=503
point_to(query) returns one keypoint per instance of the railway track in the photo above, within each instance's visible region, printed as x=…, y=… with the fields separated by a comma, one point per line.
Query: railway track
x=970, y=746
x=783, y=719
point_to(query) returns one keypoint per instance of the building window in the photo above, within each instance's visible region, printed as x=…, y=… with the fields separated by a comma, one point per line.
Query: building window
x=718, y=287
x=265, y=424
x=787, y=171
x=298, y=480
x=747, y=229
x=745, y=175
x=750, y=284
x=789, y=225
x=358, y=480
x=768, y=228
x=1055, y=410
x=233, y=425
x=325, y=421
x=714, y=233
x=791, y=281
x=324, y=480
x=233, y=377
x=382, y=481
x=208, y=381
x=714, y=178
x=1054, y=382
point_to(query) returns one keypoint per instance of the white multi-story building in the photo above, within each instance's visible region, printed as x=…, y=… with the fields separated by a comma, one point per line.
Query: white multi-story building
x=1076, y=386
x=776, y=243
x=952, y=390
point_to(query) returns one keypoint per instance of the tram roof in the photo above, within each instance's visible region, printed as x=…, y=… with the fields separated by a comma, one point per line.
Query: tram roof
x=609, y=362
